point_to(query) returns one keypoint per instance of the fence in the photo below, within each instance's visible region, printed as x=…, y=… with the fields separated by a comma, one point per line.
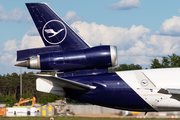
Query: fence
x=92, y=109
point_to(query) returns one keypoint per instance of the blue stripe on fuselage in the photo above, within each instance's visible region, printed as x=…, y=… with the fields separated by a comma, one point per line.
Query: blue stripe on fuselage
x=118, y=94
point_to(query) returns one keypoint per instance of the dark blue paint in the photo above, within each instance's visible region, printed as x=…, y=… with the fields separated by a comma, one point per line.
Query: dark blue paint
x=83, y=73
x=72, y=54
x=93, y=58
x=26, y=54
x=120, y=96
x=42, y=14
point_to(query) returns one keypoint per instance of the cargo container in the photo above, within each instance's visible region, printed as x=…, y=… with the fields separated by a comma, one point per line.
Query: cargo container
x=3, y=111
x=21, y=111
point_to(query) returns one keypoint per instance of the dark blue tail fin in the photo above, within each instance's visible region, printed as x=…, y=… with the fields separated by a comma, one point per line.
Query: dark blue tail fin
x=53, y=30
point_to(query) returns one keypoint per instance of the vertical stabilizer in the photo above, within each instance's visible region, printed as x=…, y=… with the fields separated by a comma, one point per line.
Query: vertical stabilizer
x=53, y=29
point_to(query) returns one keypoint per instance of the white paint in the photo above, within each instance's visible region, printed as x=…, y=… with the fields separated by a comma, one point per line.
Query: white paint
x=158, y=78
x=19, y=111
x=48, y=86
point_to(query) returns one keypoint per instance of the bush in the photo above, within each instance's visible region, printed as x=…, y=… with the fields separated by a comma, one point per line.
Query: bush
x=9, y=100
x=45, y=98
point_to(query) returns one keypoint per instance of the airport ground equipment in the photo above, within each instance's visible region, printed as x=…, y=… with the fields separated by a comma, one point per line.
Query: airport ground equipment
x=22, y=101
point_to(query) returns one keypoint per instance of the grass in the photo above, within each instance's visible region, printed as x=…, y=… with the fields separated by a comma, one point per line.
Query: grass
x=78, y=118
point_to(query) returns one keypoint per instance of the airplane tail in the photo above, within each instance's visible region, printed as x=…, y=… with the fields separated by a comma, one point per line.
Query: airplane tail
x=53, y=29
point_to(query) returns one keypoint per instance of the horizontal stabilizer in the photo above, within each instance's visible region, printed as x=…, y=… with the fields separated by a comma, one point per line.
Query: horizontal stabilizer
x=47, y=86
x=169, y=91
x=63, y=83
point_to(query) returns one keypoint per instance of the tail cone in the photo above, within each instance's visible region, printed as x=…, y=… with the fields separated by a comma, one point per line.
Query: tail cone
x=23, y=64
x=32, y=63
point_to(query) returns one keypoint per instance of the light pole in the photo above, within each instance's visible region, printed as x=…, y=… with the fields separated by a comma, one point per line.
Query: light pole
x=20, y=81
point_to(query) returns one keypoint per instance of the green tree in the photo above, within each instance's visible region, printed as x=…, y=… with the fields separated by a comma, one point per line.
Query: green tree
x=155, y=63
x=167, y=62
x=1, y=99
x=9, y=100
x=27, y=95
x=45, y=98
x=174, y=60
x=71, y=101
x=124, y=67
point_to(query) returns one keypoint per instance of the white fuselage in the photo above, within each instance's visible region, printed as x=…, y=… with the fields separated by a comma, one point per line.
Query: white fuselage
x=147, y=83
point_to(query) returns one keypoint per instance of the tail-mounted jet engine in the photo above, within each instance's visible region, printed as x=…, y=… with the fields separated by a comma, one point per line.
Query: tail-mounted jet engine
x=91, y=58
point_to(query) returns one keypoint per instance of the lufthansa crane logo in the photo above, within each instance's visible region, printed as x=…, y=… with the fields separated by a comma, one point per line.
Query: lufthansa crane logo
x=54, y=32
x=144, y=82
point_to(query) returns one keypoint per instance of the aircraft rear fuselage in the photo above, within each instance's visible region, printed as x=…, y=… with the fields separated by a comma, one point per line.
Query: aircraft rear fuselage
x=84, y=70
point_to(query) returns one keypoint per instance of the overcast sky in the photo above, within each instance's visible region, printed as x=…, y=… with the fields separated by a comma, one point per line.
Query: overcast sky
x=141, y=29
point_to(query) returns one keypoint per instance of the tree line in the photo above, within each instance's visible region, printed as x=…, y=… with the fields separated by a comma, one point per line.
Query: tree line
x=10, y=83
x=10, y=89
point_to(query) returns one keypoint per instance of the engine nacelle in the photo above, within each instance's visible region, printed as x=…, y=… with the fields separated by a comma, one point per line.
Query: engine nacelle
x=95, y=57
